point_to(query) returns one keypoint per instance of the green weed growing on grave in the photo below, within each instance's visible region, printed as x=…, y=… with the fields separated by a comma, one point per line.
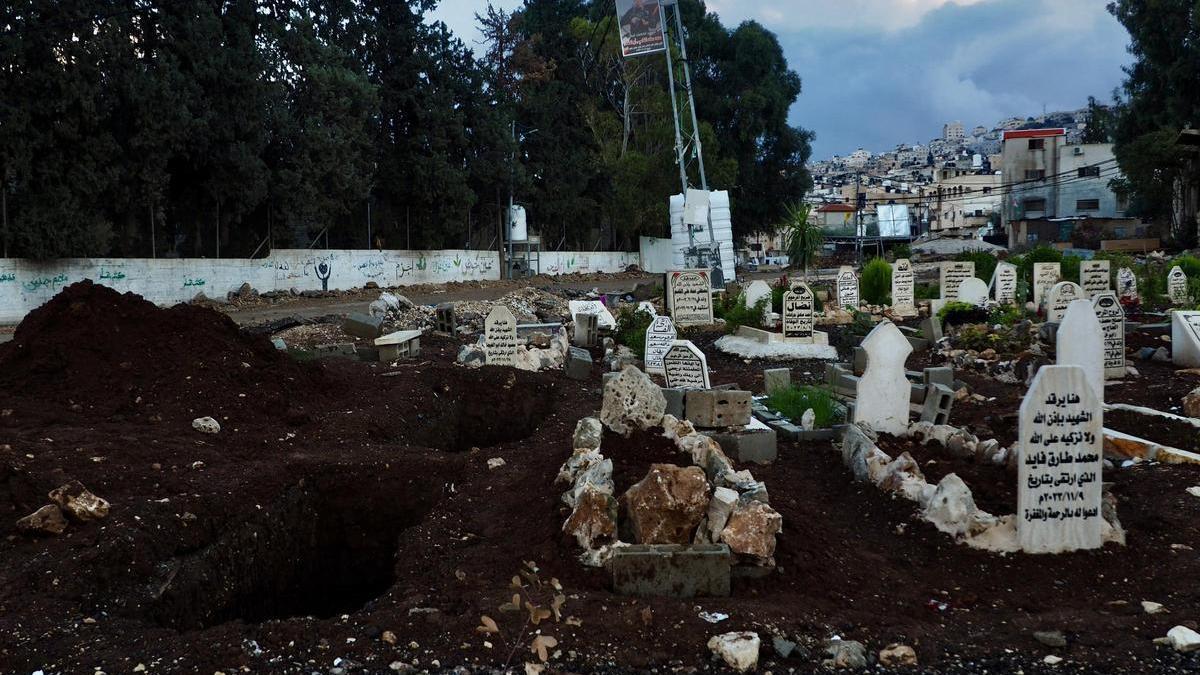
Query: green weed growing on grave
x=1007, y=315
x=901, y=251
x=927, y=292
x=783, y=285
x=732, y=308
x=793, y=401
x=862, y=323
x=876, y=282
x=958, y=313
x=631, y=328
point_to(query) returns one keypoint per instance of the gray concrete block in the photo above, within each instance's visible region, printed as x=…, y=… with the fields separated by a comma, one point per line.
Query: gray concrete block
x=931, y=329
x=939, y=400
x=759, y=446
x=675, y=399
x=587, y=330
x=363, y=326
x=785, y=429
x=940, y=375
x=672, y=571
x=776, y=378
x=341, y=350
x=860, y=360
x=406, y=350
x=579, y=364
x=711, y=408
x=444, y=318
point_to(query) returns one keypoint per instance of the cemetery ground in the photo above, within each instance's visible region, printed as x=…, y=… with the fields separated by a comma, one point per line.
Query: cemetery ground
x=352, y=516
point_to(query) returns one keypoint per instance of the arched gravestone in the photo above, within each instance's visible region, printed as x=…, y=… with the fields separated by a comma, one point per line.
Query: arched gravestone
x=847, y=288
x=1112, y=322
x=660, y=335
x=903, y=302
x=1059, y=463
x=1127, y=288
x=973, y=291
x=883, y=389
x=755, y=291
x=1080, y=342
x=1177, y=286
x=1004, y=283
x=689, y=297
x=685, y=367
x=1061, y=295
x=798, y=309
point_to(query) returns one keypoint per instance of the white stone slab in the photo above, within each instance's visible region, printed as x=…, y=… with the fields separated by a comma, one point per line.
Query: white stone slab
x=1177, y=289
x=847, y=288
x=660, y=335
x=750, y=348
x=647, y=307
x=399, y=337
x=798, y=308
x=1127, y=285
x=1059, y=463
x=973, y=291
x=883, y=389
x=605, y=318
x=1004, y=283
x=755, y=291
x=689, y=297
x=685, y=367
x=1080, y=342
x=1185, y=339
x=903, y=283
x=500, y=337
x=1045, y=275
x=951, y=275
x=1112, y=321
x=1094, y=277
x=1060, y=296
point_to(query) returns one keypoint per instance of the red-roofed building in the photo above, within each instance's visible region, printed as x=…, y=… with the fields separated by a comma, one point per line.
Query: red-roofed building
x=835, y=216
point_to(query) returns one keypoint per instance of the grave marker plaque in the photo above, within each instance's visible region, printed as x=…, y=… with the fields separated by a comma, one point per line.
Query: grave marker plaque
x=1093, y=277
x=1045, y=275
x=1059, y=297
x=1004, y=285
x=798, y=310
x=951, y=275
x=685, y=367
x=847, y=288
x=689, y=297
x=1185, y=339
x=1127, y=285
x=660, y=335
x=884, y=390
x=1112, y=321
x=903, y=302
x=605, y=320
x=1059, y=465
x=500, y=337
x=1177, y=286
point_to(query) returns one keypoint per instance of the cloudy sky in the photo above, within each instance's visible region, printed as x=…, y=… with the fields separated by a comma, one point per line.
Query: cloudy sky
x=881, y=72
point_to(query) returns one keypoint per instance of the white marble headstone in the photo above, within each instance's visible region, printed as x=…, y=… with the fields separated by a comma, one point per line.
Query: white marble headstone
x=1080, y=342
x=903, y=302
x=685, y=366
x=847, y=288
x=500, y=337
x=647, y=307
x=755, y=291
x=1045, y=275
x=951, y=275
x=689, y=297
x=1127, y=288
x=660, y=335
x=1004, y=283
x=1177, y=286
x=605, y=319
x=798, y=310
x=1062, y=294
x=883, y=389
x=1185, y=339
x=973, y=291
x=1059, y=463
x=1112, y=320
x=1093, y=277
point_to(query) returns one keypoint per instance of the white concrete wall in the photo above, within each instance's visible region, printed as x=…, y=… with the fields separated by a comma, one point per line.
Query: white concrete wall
x=26, y=284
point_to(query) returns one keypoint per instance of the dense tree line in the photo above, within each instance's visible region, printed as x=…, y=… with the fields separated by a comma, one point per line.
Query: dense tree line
x=206, y=127
x=1160, y=97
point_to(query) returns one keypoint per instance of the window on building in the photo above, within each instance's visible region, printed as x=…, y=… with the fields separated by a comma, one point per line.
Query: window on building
x=1087, y=205
x=1035, y=174
x=1089, y=172
x=1035, y=204
x=1037, y=143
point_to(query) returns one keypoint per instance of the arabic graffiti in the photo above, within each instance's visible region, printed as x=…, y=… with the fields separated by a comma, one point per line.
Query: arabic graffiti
x=109, y=274
x=8, y=276
x=45, y=282
x=193, y=282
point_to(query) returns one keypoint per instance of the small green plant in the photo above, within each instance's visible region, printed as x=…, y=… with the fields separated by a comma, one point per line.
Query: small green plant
x=959, y=313
x=1189, y=264
x=631, y=328
x=862, y=323
x=876, y=282
x=732, y=308
x=927, y=291
x=985, y=263
x=792, y=402
x=902, y=251
x=1006, y=315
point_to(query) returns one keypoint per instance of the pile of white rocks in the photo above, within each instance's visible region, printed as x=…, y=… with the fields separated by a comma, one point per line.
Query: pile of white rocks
x=704, y=503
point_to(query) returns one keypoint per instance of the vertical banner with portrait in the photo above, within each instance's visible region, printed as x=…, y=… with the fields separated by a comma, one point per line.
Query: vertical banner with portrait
x=640, y=23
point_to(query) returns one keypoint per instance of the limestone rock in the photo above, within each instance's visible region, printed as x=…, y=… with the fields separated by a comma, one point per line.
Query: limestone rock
x=751, y=530
x=471, y=356
x=76, y=501
x=1191, y=403
x=594, y=520
x=588, y=433
x=738, y=650
x=578, y=461
x=46, y=520
x=845, y=654
x=808, y=421
x=632, y=401
x=597, y=475
x=896, y=655
x=666, y=506
x=1184, y=639
x=206, y=425
x=719, y=509
x=952, y=508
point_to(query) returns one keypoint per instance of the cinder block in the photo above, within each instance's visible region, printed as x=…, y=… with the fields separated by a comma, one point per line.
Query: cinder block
x=587, y=330
x=712, y=408
x=341, y=350
x=940, y=375
x=860, y=361
x=759, y=446
x=775, y=379
x=363, y=326
x=671, y=570
x=579, y=364
x=444, y=318
x=674, y=401
x=939, y=400
x=784, y=428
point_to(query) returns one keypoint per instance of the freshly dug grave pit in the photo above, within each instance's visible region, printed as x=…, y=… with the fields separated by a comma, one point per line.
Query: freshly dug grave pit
x=1161, y=430
x=326, y=547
